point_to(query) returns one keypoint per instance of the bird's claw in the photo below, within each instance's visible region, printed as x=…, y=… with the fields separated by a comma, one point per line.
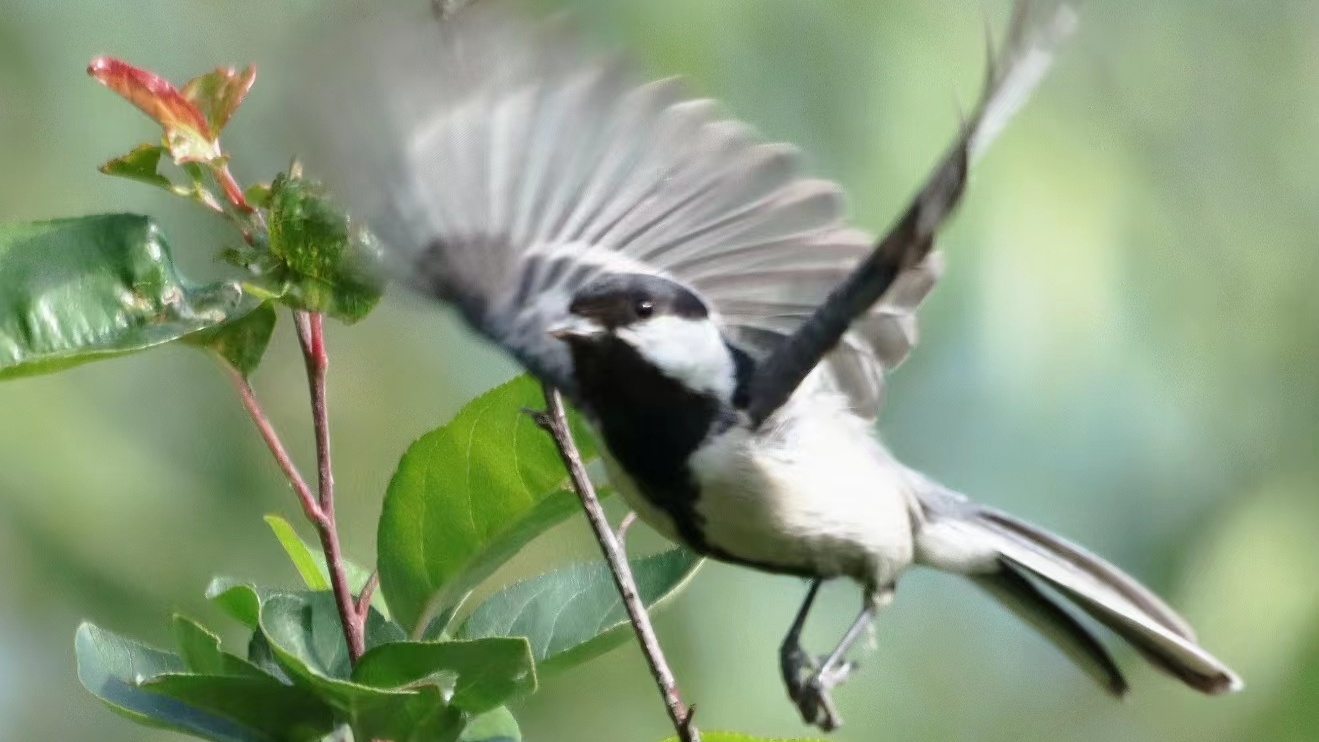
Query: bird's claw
x=815, y=703
x=809, y=681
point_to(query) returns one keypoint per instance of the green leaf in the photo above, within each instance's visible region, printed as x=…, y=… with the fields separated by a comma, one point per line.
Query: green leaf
x=573, y=614
x=141, y=164
x=242, y=601
x=304, y=560
x=322, y=261
x=482, y=674
x=735, y=737
x=77, y=290
x=493, y=726
x=258, y=195
x=310, y=563
x=422, y=716
x=151, y=687
x=240, y=342
x=201, y=651
x=262, y=705
x=465, y=497
x=261, y=655
x=304, y=631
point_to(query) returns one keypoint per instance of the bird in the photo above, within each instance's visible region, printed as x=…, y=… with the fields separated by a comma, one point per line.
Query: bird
x=709, y=308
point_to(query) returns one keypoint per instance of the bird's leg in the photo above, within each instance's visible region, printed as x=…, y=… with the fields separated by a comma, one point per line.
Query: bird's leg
x=793, y=660
x=813, y=700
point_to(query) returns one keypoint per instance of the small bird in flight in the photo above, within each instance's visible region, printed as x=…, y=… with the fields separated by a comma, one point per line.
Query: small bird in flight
x=711, y=312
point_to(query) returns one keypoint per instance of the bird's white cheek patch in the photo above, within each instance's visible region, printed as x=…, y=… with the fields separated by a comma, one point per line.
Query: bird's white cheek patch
x=687, y=350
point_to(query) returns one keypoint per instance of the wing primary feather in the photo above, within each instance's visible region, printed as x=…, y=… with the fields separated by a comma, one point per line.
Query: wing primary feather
x=1027, y=50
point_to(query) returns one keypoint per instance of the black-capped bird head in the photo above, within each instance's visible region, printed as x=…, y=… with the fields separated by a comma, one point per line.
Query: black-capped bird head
x=622, y=319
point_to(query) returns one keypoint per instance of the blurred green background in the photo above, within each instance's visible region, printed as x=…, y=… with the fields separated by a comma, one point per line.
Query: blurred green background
x=1124, y=349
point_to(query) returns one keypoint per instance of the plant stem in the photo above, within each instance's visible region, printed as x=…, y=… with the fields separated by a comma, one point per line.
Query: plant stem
x=305, y=497
x=311, y=335
x=555, y=421
x=319, y=510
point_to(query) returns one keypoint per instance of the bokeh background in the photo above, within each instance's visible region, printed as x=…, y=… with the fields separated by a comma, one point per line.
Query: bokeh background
x=1124, y=349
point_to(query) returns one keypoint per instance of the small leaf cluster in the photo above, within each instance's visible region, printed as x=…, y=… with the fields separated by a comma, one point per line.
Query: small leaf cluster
x=298, y=247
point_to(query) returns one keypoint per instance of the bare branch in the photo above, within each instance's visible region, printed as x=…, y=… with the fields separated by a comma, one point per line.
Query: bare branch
x=555, y=421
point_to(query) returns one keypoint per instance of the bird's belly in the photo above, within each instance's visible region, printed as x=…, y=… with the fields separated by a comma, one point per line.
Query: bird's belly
x=825, y=508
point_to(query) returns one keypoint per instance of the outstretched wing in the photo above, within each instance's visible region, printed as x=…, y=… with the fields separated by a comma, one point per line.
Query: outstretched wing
x=503, y=166
x=1009, y=80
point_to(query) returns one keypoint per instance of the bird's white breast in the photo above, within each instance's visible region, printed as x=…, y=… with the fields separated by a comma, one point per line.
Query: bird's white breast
x=815, y=493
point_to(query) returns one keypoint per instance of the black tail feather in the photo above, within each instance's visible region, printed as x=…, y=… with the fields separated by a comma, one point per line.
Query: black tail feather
x=1015, y=591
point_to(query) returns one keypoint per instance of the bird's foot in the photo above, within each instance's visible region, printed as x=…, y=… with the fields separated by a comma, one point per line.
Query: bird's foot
x=814, y=700
x=809, y=681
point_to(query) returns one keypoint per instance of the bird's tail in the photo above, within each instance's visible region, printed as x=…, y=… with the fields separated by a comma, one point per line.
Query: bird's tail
x=1028, y=570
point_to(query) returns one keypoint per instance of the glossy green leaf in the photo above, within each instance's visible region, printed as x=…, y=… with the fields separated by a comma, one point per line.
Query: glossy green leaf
x=735, y=737
x=153, y=688
x=493, y=726
x=482, y=674
x=465, y=497
x=318, y=259
x=310, y=563
x=573, y=614
x=304, y=560
x=201, y=653
x=240, y=342
x=77, y=290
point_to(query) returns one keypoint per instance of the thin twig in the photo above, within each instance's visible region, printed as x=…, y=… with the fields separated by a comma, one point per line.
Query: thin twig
x=368, y=592
x=624, y=526
x=311, y=335
x=268, y=434
x=353, y=619
x=555, y=421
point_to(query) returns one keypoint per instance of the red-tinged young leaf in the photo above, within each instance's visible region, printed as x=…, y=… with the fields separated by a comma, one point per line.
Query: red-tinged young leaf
x=188, y=135
x=218, y=93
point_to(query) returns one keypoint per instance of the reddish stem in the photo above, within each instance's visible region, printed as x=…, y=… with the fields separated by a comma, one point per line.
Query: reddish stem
x=311, y=335
x=305, y=497
x=319, y=510
x=232, y=190
x=368, y=592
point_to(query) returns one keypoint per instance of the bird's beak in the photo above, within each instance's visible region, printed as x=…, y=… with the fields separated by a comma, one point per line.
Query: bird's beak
x=576, y=328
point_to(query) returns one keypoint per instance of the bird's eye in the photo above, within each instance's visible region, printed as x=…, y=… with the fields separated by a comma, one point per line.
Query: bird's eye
x=645, y=308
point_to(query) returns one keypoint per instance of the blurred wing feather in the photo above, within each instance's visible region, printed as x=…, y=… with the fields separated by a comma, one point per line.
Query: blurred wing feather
x=504, y=167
